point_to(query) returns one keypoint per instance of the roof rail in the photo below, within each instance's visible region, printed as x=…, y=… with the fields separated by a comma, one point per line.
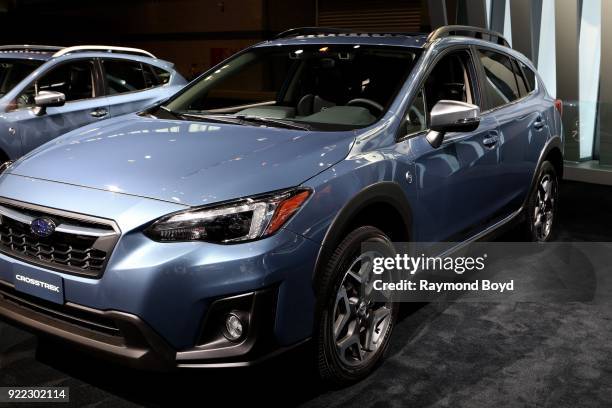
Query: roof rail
x=102, y=48
x=295, y=32
x=476, y=32
x=27, y=47
x=303, y=31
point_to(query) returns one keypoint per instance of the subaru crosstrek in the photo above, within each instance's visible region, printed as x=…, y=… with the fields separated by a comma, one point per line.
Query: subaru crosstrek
x=226, y=224
x=48, y=91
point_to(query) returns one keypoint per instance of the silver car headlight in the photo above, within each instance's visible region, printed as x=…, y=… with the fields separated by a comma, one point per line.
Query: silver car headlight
x=242, y=220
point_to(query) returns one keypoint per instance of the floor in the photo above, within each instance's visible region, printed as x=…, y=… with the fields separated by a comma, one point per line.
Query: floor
x=542, y=354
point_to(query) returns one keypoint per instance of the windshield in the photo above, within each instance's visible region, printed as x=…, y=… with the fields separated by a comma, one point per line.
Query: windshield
x=302, y=87
x=12, y=72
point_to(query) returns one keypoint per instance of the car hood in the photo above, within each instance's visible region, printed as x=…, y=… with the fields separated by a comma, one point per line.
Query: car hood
x=191, y=163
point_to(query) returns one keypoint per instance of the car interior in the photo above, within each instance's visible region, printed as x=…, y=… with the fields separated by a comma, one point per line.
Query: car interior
x=12, y=72
x=449, y=80
x=320, y=85
x=74, y=80
x=127, y=76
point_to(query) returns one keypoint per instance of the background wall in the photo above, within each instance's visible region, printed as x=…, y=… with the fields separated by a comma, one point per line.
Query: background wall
x=194, y=34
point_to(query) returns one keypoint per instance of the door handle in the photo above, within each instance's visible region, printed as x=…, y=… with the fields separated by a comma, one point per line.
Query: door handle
x=99, y=113
x=539, y=123
x=491, y=139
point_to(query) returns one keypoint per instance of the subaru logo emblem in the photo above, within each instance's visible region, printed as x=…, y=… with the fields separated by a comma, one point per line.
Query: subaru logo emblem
x=43, y=227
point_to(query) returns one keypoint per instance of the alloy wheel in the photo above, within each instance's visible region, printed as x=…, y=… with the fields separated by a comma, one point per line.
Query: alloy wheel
x=544, y=210
x=360, y=323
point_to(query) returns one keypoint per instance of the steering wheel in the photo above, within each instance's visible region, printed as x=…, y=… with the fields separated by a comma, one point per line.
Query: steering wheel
x=374, y=107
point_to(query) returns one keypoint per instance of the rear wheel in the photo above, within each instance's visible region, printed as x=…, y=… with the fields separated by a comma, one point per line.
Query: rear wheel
x=542, y=205
x=353, y=328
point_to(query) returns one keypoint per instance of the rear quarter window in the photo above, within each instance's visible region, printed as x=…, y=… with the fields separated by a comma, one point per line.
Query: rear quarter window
x=520, y=79
x=162, y=76
x=530, y=76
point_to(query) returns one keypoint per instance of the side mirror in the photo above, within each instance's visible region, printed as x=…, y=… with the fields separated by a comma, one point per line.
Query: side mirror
x=48, y=99
x=451, y=116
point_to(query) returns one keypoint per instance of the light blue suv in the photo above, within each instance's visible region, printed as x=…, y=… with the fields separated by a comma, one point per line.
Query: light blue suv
x=230, y=223
x=48, y=91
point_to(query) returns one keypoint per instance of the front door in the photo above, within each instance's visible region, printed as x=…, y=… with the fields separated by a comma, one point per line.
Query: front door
x=76, y=80
x=456, y=182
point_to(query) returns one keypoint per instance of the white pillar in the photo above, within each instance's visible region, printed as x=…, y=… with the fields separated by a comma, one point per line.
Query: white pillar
x=508, y=23
x=589, y=59
x=547, y=54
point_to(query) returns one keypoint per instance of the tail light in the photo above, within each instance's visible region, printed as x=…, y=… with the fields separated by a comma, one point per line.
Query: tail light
x=559, y=106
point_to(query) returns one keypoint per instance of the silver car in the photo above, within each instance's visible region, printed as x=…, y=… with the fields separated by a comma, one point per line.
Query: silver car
x=47, y=91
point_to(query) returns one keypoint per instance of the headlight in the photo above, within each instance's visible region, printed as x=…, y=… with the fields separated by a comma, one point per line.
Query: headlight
x=242, y=220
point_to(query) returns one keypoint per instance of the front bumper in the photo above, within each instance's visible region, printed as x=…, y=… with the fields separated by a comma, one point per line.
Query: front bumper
x=127, y=339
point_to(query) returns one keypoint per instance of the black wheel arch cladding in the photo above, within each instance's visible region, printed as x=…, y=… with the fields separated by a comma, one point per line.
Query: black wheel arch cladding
x=396, y=222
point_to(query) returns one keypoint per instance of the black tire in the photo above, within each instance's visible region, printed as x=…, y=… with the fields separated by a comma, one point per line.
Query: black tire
x=331, y=367
x=534, y=228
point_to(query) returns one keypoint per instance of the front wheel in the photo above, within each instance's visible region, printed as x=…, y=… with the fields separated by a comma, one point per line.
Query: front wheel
x=542, y=205
x=353, y=327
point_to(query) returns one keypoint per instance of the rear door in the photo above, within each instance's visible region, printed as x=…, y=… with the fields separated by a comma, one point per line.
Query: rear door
x=511, y=97
x=131, y=86
x=78, y=81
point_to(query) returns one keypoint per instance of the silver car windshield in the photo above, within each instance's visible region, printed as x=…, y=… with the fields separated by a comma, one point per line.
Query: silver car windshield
x=320, y=87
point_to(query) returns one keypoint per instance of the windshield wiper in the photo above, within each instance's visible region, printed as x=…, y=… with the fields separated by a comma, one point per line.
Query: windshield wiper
x=273, y=121
x=244, y=120
x=212, y=118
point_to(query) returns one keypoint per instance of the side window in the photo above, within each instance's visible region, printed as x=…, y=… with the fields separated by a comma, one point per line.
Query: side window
x=12, y=72
x=530, y=77
x=500, y=84
x=520, y=79
x=416, y=118
x=162, y=76
x=149, y=76
x=450, y=79
x=74, y=79
x=123, y=76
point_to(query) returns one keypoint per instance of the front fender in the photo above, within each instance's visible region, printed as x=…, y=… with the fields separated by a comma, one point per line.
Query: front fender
x=342, y=192
x=10, y=144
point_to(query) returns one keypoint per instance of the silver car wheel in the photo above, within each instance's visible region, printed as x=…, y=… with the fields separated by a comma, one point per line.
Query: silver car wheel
x=544, y=210
x=360, y=324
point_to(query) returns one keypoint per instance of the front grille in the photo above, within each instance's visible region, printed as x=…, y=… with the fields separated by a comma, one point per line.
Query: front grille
x=63, y=249
x=80, y=247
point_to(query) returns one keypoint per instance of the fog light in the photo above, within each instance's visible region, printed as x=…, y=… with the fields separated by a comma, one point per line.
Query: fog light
x=234, y=327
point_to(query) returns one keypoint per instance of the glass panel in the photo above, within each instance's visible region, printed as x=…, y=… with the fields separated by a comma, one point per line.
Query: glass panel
x=12, y=72
x=529, y=76
x=416, y=118
x=74, y=80
x=163, y=76
x=123, y=76
x=326, y=86
x=500, y=83
x=522, y=83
